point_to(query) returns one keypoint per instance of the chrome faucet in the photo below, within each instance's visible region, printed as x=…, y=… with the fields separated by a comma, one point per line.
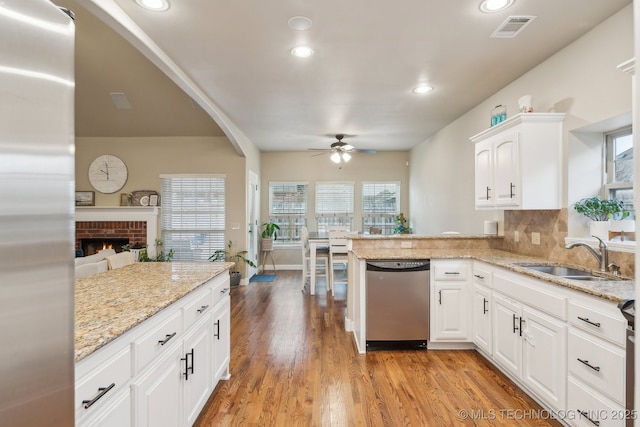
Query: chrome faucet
x=602, y=257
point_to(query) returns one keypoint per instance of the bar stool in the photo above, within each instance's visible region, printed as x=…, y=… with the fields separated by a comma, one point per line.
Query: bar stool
x=322, y=255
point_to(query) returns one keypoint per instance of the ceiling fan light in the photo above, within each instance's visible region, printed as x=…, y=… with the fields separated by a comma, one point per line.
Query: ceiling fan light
x=422, y=89
x=490, y=6
x=347, y=147
x=302, y=51
x=335, y=157
x=346, y=157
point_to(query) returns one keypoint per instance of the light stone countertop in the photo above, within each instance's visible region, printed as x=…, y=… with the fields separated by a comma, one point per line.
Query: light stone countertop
x=109, y=304
x=613, y=290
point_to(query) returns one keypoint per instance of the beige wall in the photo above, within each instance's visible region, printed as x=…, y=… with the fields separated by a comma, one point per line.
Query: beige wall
x=147, y=158
x=582, y=80
x=310, y=168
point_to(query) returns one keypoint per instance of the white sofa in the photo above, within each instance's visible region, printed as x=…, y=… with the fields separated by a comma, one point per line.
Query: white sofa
x=93, y=264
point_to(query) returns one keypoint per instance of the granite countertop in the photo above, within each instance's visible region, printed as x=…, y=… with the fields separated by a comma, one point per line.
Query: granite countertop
x=111, y=303
x=365, y=236
x=614, y=290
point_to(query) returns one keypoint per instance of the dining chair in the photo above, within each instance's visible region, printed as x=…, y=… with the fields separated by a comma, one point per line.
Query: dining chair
x=119, y=260
x=322, y=255
x=375, y=230
x=338, y=256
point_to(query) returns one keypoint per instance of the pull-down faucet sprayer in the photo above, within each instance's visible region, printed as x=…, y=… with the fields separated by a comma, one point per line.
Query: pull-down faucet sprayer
x=602, y=257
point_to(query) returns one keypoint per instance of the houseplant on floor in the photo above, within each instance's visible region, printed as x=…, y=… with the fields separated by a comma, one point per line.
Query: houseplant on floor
x=600, y=211
x=269, y=234
x=228, y=255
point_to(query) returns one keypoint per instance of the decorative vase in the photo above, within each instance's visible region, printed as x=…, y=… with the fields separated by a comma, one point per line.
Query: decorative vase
x=267, y=244
x=599, y=229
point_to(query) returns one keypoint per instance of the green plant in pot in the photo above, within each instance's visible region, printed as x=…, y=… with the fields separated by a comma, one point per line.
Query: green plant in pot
x=269, y=234
x=222, y=255
x=600, y=211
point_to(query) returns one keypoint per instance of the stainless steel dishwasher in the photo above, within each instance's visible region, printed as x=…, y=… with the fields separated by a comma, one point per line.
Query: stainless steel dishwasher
x=397, y=298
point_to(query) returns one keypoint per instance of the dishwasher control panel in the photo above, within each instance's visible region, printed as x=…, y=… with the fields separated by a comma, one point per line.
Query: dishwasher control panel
x=402, y=265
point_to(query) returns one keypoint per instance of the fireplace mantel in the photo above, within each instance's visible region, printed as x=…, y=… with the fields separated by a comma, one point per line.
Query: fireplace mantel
x=124, y=213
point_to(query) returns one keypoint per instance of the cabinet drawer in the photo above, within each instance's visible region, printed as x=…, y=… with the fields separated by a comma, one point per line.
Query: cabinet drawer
x=534, y=292
x=482, y=276
x=587, y=407
x=597, y=363
x=155, y=341
x=219, y=291
x=194, y=309
x=450, y=270
x=601, y=324
x=100, y=384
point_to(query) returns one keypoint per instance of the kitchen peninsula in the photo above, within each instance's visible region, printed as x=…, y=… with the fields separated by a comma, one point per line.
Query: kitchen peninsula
x=561, y=339
x=156, y=334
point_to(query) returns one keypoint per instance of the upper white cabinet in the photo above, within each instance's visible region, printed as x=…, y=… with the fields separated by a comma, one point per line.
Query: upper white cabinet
x=518, y=163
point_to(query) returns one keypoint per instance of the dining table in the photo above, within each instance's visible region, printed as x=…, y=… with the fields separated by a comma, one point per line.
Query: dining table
x=316, y=240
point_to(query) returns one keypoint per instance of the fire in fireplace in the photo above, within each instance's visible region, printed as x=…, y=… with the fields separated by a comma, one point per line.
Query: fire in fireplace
x=95, y=245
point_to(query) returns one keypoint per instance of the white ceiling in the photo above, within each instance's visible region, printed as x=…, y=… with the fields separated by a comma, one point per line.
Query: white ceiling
x=369, y=54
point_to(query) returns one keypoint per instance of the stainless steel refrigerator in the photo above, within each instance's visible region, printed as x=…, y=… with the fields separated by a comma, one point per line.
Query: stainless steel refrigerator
x=36, y=214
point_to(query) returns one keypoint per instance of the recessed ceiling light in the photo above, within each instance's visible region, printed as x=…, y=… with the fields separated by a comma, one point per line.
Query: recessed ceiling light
x=300, y=23
x=422, y=89
x=302, y=51
x=490, y=6
x=155, y=5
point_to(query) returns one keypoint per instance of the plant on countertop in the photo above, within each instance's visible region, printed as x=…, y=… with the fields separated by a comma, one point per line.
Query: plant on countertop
x=270, y=231
x=597, y=209
x=401, y=225
x=227, y=255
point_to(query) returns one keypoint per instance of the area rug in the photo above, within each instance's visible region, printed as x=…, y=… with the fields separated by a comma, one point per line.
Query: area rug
x=263, y=278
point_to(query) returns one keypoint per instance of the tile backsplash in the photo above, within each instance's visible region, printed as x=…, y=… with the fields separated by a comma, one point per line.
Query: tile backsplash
x=552, y=227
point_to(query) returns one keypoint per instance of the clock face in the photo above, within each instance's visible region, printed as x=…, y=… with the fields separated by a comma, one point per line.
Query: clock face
x=107, y=174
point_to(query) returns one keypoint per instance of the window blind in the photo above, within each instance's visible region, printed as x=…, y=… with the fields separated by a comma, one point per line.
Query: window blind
x=193, y=216
x=334, y=198
x=381, y=197
x=288, y=209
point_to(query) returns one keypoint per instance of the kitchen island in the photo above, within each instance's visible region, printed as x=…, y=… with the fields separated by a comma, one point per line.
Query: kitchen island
x=157, y=334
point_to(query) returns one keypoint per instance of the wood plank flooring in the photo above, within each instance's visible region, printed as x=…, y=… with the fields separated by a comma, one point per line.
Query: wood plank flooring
x=293, y=364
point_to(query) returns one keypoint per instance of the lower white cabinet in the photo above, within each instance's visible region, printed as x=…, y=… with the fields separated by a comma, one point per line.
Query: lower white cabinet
x=164, y=369
x=450, y=296
x=481, y=311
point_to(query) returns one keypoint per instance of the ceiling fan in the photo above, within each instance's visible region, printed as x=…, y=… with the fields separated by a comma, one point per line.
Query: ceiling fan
x=341, y=150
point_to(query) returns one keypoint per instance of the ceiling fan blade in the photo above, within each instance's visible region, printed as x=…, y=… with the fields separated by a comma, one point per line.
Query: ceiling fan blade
x=357, y=150
x=321, y=154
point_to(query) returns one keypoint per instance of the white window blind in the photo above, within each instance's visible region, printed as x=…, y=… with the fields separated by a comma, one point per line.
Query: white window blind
x=380, y=205
x=334, y=204
x=193, y=216
x=288, y=209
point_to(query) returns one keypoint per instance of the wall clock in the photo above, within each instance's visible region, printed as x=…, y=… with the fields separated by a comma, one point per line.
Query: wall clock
x=107, y=174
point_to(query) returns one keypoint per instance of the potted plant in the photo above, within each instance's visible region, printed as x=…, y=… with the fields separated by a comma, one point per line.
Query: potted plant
x=600, y=211
x=269, y=234
x=227, y=255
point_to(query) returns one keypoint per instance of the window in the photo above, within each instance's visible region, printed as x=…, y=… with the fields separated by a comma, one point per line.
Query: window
x=288, y=209
x=334, y=204
x=193, y=215
x=380, y=205
x=619, y=182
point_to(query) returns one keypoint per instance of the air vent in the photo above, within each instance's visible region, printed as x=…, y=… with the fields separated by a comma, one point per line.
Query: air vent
x=121, y=101
x=511, y=27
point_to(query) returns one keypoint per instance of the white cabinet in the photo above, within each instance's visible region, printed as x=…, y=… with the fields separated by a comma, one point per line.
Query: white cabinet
x=221, y=339
x=518, y=163
x=198, y=360
x=481, y=309
x=450, y=296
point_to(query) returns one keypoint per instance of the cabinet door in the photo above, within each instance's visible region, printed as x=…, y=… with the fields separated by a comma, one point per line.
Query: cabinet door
x=481, y=312
x=197, y=384
x=221, y=340
x=484, y=174
x=118, y=413
x=507, y=344
x=451, y=312
x=544, y=346
x=506, y=178
x=158, y=393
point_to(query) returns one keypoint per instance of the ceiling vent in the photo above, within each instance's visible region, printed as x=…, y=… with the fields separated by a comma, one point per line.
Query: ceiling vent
x=511, y=27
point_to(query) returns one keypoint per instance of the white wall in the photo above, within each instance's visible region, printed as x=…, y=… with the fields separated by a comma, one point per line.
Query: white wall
x=581, y=80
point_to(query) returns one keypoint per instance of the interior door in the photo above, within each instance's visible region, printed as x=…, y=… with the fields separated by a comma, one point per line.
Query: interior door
x=253, y=228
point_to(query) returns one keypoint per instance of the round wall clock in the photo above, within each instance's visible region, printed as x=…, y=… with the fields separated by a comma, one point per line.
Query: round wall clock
x=107, y=174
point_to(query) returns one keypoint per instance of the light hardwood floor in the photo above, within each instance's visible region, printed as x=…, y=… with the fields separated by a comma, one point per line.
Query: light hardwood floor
x=293, y=364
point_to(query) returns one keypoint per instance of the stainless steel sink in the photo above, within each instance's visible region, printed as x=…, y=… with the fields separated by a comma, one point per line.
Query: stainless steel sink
x=565, y=272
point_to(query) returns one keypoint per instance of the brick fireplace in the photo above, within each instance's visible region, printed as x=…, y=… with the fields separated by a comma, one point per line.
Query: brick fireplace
x=114, y=225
